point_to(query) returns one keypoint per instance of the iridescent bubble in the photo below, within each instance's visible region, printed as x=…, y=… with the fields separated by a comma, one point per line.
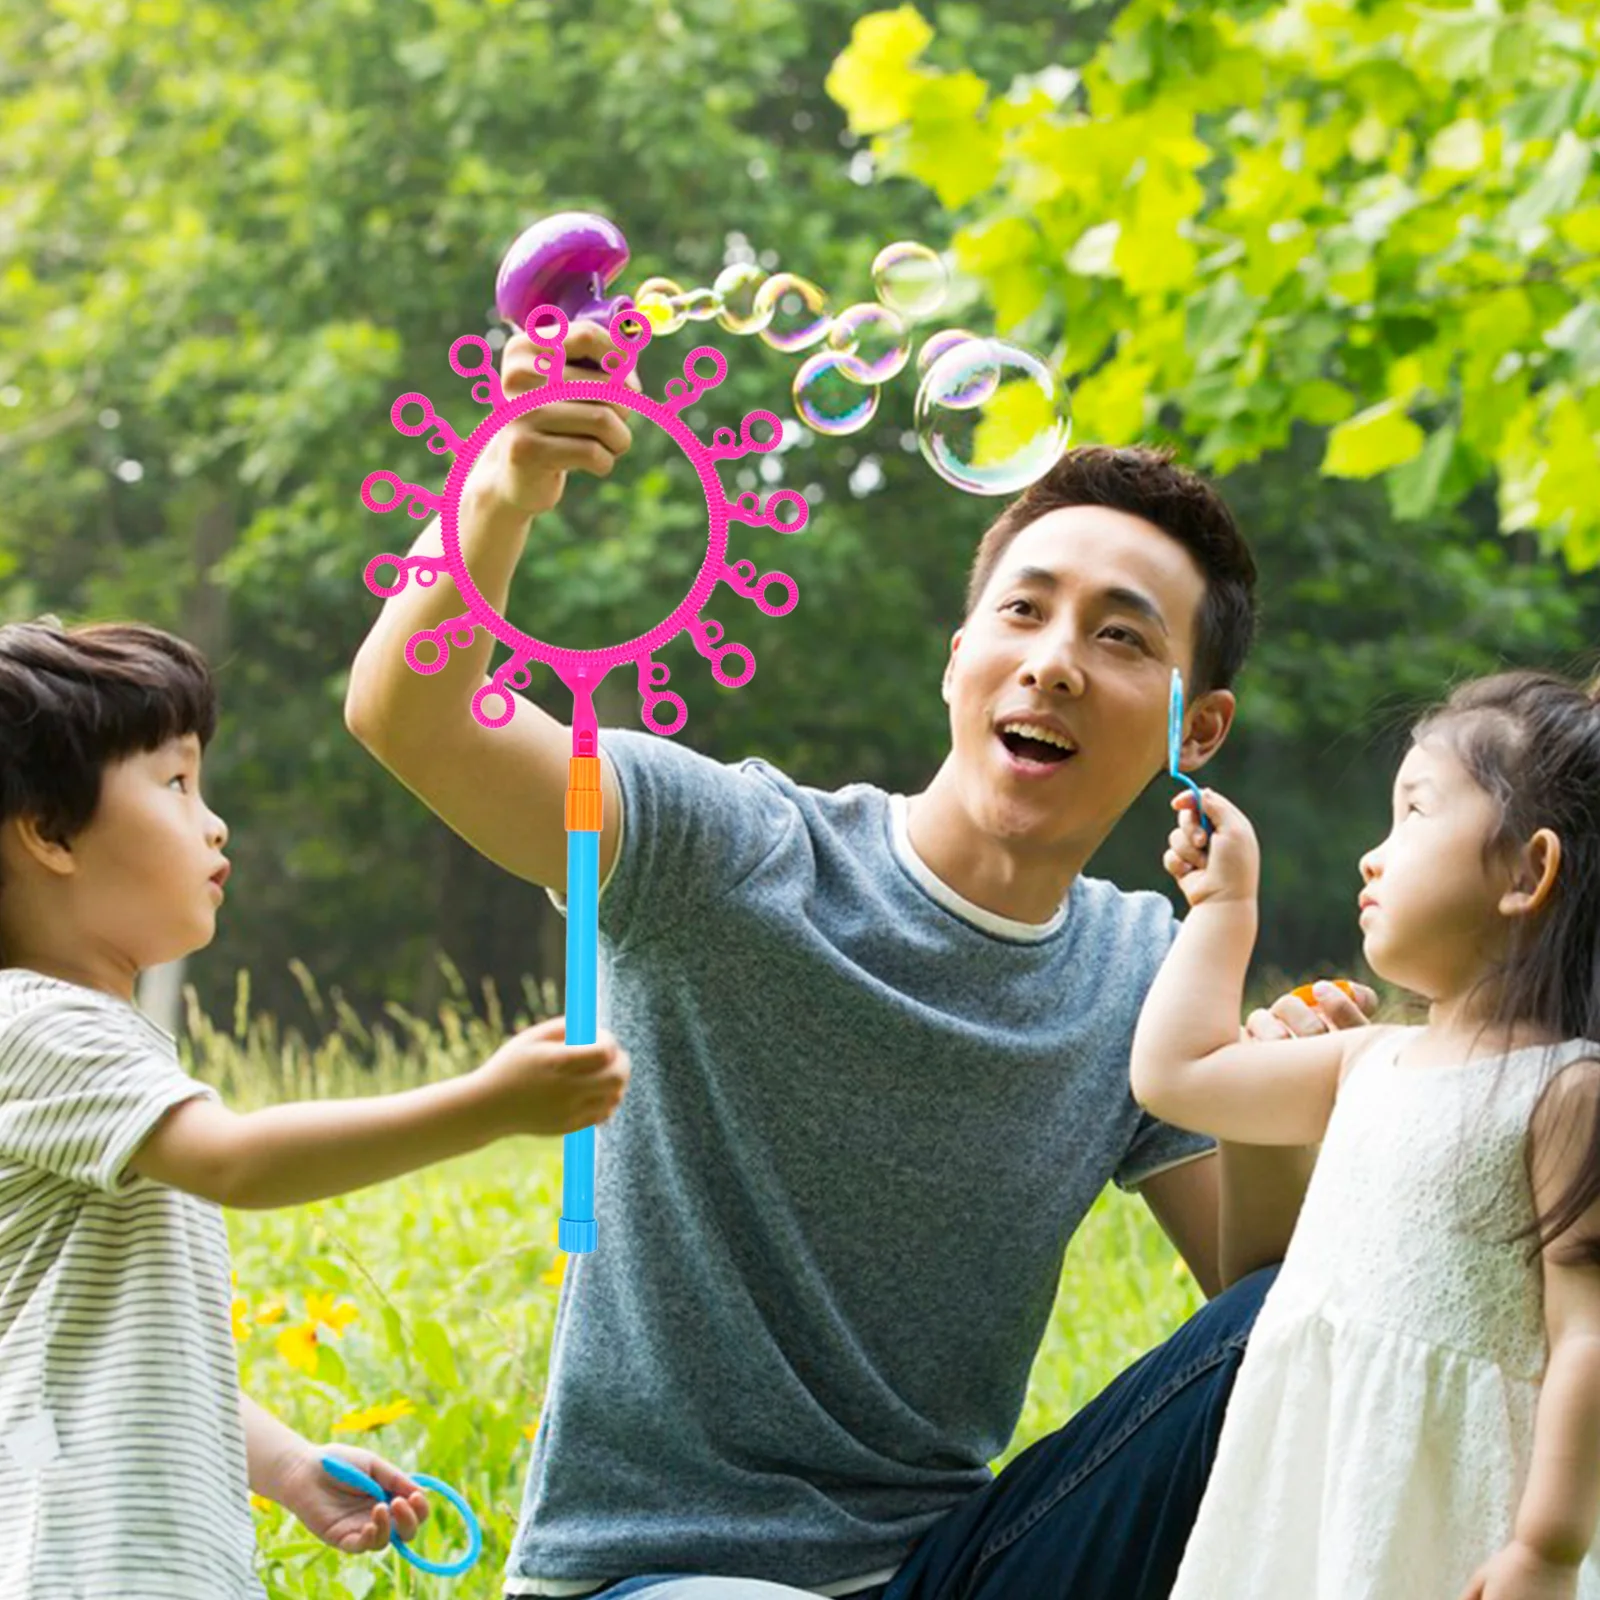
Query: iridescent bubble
x=796, y=311
x=657, y=298
x=1008, y=436
x=739, y=283
x=872, y=339
x=699, y=305
x=828, y=401
x=970, y=373
x=936, y=344
x=910, y=278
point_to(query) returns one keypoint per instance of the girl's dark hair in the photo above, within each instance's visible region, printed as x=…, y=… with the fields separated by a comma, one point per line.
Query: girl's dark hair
x=1531, y=741
x=1148, y=483
x=73, y=701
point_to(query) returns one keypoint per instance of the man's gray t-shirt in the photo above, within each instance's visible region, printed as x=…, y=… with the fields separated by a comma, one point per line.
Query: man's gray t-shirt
x=864, y=1121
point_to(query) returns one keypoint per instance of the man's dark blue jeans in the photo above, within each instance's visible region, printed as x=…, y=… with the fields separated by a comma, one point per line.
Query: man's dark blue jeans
x=1099, y=1510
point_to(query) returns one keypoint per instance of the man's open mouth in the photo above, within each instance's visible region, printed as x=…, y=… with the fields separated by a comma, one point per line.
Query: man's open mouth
x=1031, y=742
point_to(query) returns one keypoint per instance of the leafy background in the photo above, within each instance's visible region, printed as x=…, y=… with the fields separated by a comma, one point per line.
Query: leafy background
x=1343, y=254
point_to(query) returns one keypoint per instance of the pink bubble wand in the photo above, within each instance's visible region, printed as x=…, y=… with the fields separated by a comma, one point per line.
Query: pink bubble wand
x=559, y=269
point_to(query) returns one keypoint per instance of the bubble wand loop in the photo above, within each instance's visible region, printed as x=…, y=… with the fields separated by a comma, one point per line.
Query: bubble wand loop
x=1175, y=749
x=559, y=268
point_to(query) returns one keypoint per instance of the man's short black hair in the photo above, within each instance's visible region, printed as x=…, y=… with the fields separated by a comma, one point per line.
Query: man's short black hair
x=1148, y=483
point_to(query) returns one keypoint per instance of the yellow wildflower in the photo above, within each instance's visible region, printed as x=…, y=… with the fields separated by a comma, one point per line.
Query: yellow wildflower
x=336, y=1318
x=259, y=1502
x=371, y=1417
x=241, y=1319
x=298, y=1346
x=271, y=1311
x=557, y=1272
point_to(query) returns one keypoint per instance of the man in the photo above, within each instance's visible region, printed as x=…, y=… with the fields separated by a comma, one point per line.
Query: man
x=880, y=1052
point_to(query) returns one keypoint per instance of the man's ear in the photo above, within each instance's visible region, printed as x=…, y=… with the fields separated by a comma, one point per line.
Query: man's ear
x=1533, y=875
x=949, y=666
x=1206, y=725
x=54, y=855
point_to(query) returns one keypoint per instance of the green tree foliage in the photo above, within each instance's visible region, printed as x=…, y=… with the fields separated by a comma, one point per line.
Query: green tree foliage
x=231, y=235
x=1377, y=217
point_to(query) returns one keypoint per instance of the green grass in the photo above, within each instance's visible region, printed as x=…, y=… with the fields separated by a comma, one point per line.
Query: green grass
x=453, y=1275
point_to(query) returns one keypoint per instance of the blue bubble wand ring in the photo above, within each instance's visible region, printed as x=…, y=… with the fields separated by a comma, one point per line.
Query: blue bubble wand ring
x=354, y=1478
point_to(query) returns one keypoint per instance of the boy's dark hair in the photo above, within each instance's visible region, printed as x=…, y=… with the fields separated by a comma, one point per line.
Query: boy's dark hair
x=73, y=701
x=1148, y=483
x=1531, y=741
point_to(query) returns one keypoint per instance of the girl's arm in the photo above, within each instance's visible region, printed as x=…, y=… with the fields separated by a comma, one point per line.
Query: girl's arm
x=1188, y=1065
x=1560, y=1509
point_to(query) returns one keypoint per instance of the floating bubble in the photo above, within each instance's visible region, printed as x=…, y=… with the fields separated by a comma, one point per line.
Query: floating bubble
x=873, y=341
x=739, y=283
x=828, y=401
x=699, y=305
x=991, y=418
x=936, y=344
x=796, y=311
x=969, y=373
x=910, y=278
x=657, y=298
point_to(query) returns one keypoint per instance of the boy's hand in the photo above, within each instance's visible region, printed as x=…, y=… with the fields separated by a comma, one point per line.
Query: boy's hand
x=536, y=1083
x=1224, y=866
x=346, y=1518
x=525, y=465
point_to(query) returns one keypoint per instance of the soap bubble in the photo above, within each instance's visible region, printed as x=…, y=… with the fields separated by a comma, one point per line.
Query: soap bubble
x=910, y=278
x=739, y=283
x=873, y=341
x=699, y=305
x=657, y=298
x=936, y=344
x=970, y=375
x=991, y=418
x=796, y=311
x=828, y=401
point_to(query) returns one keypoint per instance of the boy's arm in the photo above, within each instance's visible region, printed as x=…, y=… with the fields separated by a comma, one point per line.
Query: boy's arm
x=287, y=1155
x=271, y=1448
x=502, y=789
x=286, y=1468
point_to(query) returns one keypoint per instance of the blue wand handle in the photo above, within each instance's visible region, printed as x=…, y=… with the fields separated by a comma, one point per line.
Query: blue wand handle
x=579, y=1232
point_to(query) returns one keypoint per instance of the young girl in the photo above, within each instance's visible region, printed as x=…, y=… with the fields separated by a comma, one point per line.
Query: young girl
x=1418, y=1413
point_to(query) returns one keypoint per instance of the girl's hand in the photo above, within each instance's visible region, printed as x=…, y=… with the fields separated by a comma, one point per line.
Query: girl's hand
x=1226, y=865
x=1518, y=1573
x=346, y=1518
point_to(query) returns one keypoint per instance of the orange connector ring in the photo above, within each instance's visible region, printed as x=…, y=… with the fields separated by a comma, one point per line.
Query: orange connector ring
x=583, y=794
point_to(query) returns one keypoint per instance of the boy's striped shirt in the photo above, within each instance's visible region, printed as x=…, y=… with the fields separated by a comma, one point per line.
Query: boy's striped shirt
x=122, y=1457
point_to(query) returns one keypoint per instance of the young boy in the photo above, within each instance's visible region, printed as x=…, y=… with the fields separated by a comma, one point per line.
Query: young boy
x=126, y=1448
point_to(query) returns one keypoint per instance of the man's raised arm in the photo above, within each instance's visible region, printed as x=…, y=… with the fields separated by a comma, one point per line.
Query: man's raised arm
x=502, y=789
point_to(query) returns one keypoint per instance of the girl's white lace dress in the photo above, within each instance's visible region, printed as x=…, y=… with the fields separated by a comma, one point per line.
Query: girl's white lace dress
x=1379, y=1434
